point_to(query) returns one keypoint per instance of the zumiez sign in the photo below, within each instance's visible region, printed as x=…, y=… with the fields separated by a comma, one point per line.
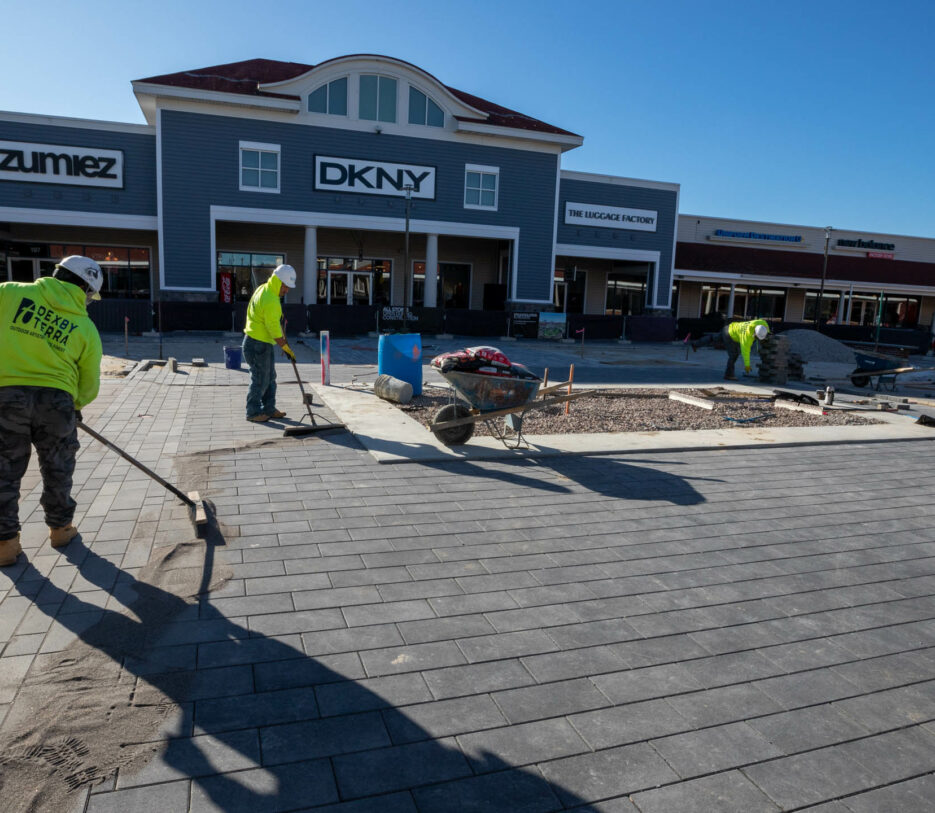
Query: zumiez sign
x=373, y=177
x=609, y=217
x=57, y=163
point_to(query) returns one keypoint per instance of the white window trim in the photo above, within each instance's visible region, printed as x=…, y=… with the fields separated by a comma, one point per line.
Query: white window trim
x=377, y=122
x=327, y=85
x=428, y=99
x=495, y=171
x=261, y=147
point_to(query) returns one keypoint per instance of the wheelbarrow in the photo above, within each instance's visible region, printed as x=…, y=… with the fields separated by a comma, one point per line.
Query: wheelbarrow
x=485, y=397
x=876, y=365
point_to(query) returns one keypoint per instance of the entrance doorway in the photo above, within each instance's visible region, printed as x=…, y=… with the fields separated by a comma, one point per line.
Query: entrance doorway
x=349, y=288
x=569, y=290
x=28, y=269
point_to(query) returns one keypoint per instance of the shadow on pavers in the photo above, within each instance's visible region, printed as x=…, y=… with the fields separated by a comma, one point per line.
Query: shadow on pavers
x=319, y=737
x=600, y=474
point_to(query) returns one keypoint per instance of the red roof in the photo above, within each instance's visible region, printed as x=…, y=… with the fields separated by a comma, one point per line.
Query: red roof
x=245, y=78
x=774, y=263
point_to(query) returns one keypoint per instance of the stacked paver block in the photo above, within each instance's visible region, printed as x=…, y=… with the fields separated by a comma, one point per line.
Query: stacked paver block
x=778, y=363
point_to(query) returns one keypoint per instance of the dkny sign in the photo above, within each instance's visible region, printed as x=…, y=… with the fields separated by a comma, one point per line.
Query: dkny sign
x=373, y=177
x=57, y=163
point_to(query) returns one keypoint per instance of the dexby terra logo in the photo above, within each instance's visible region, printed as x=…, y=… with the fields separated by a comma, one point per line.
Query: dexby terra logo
x=45, y=321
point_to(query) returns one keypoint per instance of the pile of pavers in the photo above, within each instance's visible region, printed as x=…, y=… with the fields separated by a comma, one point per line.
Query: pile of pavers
x=778, y=363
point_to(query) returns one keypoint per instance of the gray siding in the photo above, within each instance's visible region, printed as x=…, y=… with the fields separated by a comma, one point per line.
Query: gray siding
x=201, y=167
x=631, y=197
x=138, y=196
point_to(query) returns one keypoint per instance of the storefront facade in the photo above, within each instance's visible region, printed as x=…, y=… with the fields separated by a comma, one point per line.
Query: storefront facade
x=746, y=269
x=385, y=189
x=382, y=186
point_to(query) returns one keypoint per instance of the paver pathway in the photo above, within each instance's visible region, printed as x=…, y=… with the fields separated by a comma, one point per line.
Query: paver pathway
x=731, y=631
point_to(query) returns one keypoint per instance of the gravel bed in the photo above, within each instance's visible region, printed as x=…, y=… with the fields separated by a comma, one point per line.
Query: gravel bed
x=643, y=410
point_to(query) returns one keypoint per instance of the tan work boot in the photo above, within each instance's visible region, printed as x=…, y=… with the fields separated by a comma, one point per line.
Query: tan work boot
x=9, y=550
x=60, y=537
x=277, y=413
x=261, y=418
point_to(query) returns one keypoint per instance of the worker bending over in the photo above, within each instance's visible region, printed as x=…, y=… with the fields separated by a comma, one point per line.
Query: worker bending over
x=737, y=339
x=50, y=367
x=263, y=330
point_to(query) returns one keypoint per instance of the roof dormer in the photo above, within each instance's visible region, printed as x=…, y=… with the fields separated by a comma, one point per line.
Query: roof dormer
x=369, y=91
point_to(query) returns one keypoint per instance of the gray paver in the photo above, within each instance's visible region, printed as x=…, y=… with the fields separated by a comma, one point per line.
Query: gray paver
x=614, y=772
x=729, y=792
x=702, y=620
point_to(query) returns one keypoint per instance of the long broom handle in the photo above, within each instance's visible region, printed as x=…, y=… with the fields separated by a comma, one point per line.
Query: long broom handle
x=302, y=390
x=183, y=497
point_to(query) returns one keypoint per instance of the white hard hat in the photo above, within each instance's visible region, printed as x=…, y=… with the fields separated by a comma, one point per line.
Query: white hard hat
x=86, y=269
x=761, y=331
x=287, y=274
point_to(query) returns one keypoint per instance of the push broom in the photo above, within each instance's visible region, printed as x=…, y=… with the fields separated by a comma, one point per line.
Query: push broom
x=198, y=506
x=302, y=429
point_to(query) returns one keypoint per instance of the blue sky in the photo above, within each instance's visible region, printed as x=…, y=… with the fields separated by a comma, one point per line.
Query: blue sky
x=810, y=113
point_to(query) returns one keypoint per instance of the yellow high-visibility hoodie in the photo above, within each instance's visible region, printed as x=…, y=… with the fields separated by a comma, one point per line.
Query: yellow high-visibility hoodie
x=48, y=340
x=744, y=334
x=264, y=312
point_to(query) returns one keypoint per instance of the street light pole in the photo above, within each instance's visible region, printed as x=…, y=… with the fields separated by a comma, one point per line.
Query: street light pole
x=824, y=272
x=408, y=188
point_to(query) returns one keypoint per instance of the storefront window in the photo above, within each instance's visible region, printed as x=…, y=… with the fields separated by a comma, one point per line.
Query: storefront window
x=749, y=302
x=626, y=294
x=367, y=275
x=247, y=271
x=126, y=270
x=894, y=311
x=454, y=285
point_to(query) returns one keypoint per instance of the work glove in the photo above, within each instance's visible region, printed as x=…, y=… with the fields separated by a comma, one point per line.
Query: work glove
x=78, y=416
x=288, y=351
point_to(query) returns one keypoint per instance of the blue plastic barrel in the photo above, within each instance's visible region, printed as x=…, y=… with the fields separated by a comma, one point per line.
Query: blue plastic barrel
x=232, y=357
x=400, y=355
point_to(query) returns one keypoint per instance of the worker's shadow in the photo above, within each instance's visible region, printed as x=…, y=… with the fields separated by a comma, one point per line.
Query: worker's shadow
x=303, y=734
x=574, y=474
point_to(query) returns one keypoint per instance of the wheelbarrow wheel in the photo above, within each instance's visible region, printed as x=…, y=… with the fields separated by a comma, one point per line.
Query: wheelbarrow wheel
x=860, y=380
x=453, y=435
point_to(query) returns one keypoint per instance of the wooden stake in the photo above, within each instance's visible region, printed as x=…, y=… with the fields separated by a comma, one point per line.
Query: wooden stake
x=571, y=378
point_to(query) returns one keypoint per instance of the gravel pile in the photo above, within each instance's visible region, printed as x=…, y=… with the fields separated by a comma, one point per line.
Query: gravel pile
x=814, y=346
x=645, y=410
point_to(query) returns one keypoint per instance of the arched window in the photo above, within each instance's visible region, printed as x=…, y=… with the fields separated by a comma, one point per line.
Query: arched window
x=329, y=98
x=422, y=110
x=377, y=98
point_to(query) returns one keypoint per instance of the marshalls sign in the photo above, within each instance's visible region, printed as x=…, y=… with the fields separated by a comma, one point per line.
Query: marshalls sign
x=609, y=217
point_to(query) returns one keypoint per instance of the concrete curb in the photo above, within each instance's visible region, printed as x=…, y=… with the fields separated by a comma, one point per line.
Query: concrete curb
x=391, y=436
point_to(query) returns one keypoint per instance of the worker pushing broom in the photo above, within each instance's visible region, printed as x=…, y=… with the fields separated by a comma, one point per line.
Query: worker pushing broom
x=50, y=368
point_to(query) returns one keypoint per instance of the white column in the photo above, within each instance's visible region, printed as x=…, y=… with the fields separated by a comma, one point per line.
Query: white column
x=431, y=271
x=850, y=305
x=310, y=271
x=730, y=303
x=840, y=314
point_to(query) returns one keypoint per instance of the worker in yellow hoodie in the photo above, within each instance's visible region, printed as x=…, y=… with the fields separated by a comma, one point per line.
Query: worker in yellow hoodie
x=50, y=367
x=737, y=339
x=263, y=332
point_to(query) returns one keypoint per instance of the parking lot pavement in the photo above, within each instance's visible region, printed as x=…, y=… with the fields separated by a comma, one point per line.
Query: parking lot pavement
x=709, y=630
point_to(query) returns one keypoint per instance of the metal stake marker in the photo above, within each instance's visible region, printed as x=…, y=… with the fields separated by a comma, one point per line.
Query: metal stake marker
x=406, y=291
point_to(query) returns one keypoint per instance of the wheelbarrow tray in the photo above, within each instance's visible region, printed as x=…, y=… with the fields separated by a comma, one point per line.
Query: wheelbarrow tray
x=872, y=362
x=488, y=393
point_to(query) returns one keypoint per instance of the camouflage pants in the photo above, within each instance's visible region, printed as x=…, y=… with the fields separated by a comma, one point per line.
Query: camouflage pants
x=45, y=418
